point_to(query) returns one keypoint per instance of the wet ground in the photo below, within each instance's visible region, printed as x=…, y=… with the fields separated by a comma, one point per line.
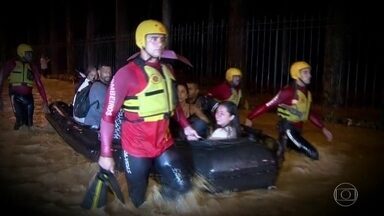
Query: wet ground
x=41, y=175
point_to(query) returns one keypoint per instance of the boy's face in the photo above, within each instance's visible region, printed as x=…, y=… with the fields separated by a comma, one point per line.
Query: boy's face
x=105, y=74
x=193, y=90
x=305, y=75
x=236, y=80
x=28, y=56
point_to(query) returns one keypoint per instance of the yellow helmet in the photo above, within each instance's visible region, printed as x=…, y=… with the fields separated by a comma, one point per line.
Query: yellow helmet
x=296, y=67
x=232, y=72
x=22, y=48
x=148, y=27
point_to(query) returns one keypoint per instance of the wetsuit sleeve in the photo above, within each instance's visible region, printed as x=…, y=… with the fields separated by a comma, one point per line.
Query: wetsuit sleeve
x=116, y=92
x=39, y=84
x=257, y=111
x=180, y=117
x=221, y=91
x=5, y=71
x=315, y=119
x=284, y=96
x=106, y=136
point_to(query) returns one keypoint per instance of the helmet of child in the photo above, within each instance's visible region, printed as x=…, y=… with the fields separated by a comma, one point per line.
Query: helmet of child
x=148, y=27
x=296, y=67
x=22, y=48
x=232, y=72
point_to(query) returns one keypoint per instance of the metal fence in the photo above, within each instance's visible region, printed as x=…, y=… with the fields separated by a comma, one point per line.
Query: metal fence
x=269, y=46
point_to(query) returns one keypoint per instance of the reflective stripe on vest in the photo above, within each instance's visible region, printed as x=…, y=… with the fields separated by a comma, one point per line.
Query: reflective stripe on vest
x=157, y=100
x=21, y=75
x=299, y=110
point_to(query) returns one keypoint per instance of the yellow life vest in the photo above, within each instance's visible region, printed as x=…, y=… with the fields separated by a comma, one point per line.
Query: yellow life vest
x=157, y=100
x=235, y=96
x=21, y=75
x=299, y=110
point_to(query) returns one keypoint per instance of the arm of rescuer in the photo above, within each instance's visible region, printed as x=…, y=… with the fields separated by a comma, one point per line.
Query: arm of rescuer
x=40, y=86
x=315, y=119
x=283, y=96
x=189, y=132
x=220, y=92
x=113, y=101
x=4, y=73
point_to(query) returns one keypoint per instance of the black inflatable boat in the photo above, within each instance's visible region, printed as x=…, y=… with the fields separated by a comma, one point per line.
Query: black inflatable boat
x=239, y=164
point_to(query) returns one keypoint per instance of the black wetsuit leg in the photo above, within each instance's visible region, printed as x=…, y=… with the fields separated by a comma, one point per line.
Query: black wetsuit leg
x=174, y=175
x=137, y=173
x=291, y=137
x=30, y=107
x=17, y=111
x=282, y=145
x=23, y=107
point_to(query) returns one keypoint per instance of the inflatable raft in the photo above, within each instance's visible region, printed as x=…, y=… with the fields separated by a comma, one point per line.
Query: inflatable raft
x=239, y=164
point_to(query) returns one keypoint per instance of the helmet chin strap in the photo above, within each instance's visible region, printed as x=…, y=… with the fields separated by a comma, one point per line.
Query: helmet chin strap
x=302, y=82
x=24, y=59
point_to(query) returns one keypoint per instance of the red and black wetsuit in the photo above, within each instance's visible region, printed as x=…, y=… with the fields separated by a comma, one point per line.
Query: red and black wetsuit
x=145, y=143
x=288, y=100
x=21, y=76
x=225, y=92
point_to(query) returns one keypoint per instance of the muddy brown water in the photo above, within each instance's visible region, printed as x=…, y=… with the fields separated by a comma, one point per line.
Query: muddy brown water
x=42, y=175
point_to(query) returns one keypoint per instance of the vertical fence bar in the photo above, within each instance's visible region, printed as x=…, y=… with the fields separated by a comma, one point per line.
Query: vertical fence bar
x=202, y=56
x=347, y=96
x=270, y=46
x=283, y=52
x=289, y=49
x=304, y=36
x=257, y=69
x=263, y=56
x=269, y=53
x=297, y=38
x=275, y=52
x=252, y=70
x=247, y=43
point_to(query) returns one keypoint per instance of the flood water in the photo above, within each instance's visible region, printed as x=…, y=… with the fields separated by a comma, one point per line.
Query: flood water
x=41, y=174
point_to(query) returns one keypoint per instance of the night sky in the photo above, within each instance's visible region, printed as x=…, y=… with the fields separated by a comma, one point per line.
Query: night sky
x=29, y=21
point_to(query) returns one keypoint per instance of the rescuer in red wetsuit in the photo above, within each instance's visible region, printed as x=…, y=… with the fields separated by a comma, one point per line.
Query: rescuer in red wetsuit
x=22, y=74
x=145, y=89
x=229, y=90
x=293, y=108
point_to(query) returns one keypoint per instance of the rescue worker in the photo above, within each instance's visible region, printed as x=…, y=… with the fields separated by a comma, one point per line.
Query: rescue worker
x=293, y=104
x=145, y=89
x=22, y=73
x=229, y=90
